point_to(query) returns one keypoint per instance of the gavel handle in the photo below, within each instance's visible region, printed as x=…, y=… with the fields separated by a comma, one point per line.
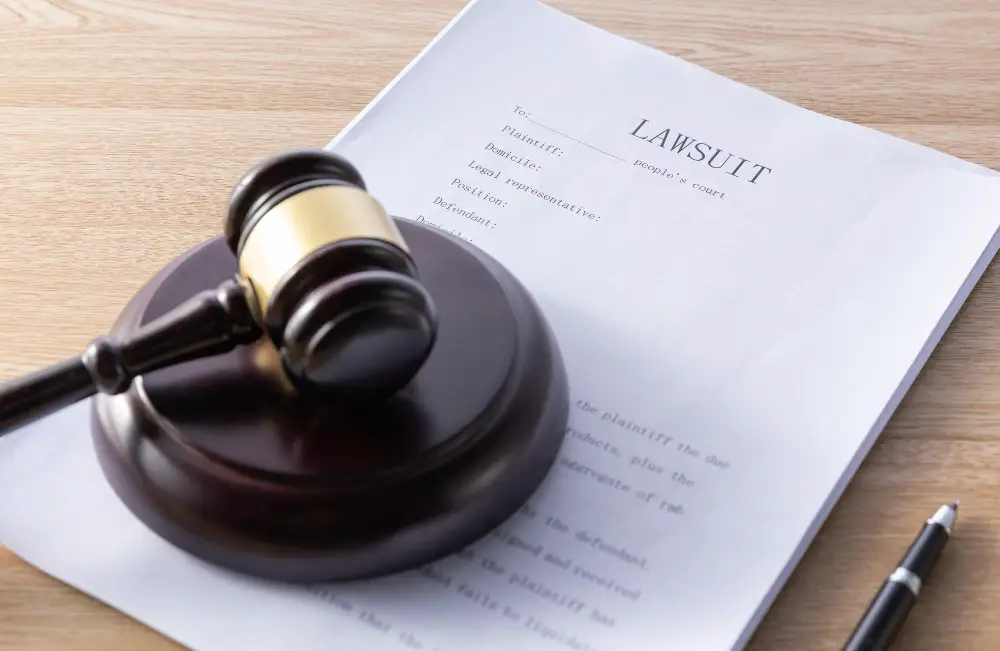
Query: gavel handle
x=210, y=323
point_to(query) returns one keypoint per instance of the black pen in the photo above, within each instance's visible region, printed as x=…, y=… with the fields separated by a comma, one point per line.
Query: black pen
x=887, y=612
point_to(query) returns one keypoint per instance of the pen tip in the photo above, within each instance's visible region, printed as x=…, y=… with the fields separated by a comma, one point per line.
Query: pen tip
x=954, y=505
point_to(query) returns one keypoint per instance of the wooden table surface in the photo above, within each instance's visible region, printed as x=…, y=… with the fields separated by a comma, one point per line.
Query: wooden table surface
x=124, y=124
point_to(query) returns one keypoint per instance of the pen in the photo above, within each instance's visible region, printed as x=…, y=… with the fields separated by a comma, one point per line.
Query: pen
x=885, y=615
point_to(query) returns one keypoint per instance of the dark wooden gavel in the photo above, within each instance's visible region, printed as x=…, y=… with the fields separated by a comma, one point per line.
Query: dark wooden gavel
x=323, y=273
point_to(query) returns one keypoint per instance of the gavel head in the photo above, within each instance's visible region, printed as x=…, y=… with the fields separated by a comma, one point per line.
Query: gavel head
x=329, y=276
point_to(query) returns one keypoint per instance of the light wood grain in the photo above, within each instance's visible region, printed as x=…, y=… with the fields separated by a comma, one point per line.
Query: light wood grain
x=124, y=123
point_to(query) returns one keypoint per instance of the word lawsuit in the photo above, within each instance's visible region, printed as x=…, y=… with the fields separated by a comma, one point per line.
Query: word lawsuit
x=700, y=151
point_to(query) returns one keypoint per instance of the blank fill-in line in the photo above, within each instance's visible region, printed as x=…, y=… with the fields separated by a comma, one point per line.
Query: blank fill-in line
x=574, y=139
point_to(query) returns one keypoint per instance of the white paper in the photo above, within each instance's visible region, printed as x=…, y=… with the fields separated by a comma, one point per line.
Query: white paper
x=736, y=339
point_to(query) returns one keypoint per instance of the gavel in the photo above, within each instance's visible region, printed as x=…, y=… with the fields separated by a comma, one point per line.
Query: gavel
x=310, y=396
x=324, y=273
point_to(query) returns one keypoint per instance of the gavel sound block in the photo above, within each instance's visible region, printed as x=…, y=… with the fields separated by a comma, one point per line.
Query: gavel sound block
x=234, y=453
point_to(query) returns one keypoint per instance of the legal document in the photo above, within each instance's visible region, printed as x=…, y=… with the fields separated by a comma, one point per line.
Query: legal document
x=743, y=291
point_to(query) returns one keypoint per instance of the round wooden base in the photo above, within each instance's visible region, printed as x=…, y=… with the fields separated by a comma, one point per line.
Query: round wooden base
x=222, y=459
